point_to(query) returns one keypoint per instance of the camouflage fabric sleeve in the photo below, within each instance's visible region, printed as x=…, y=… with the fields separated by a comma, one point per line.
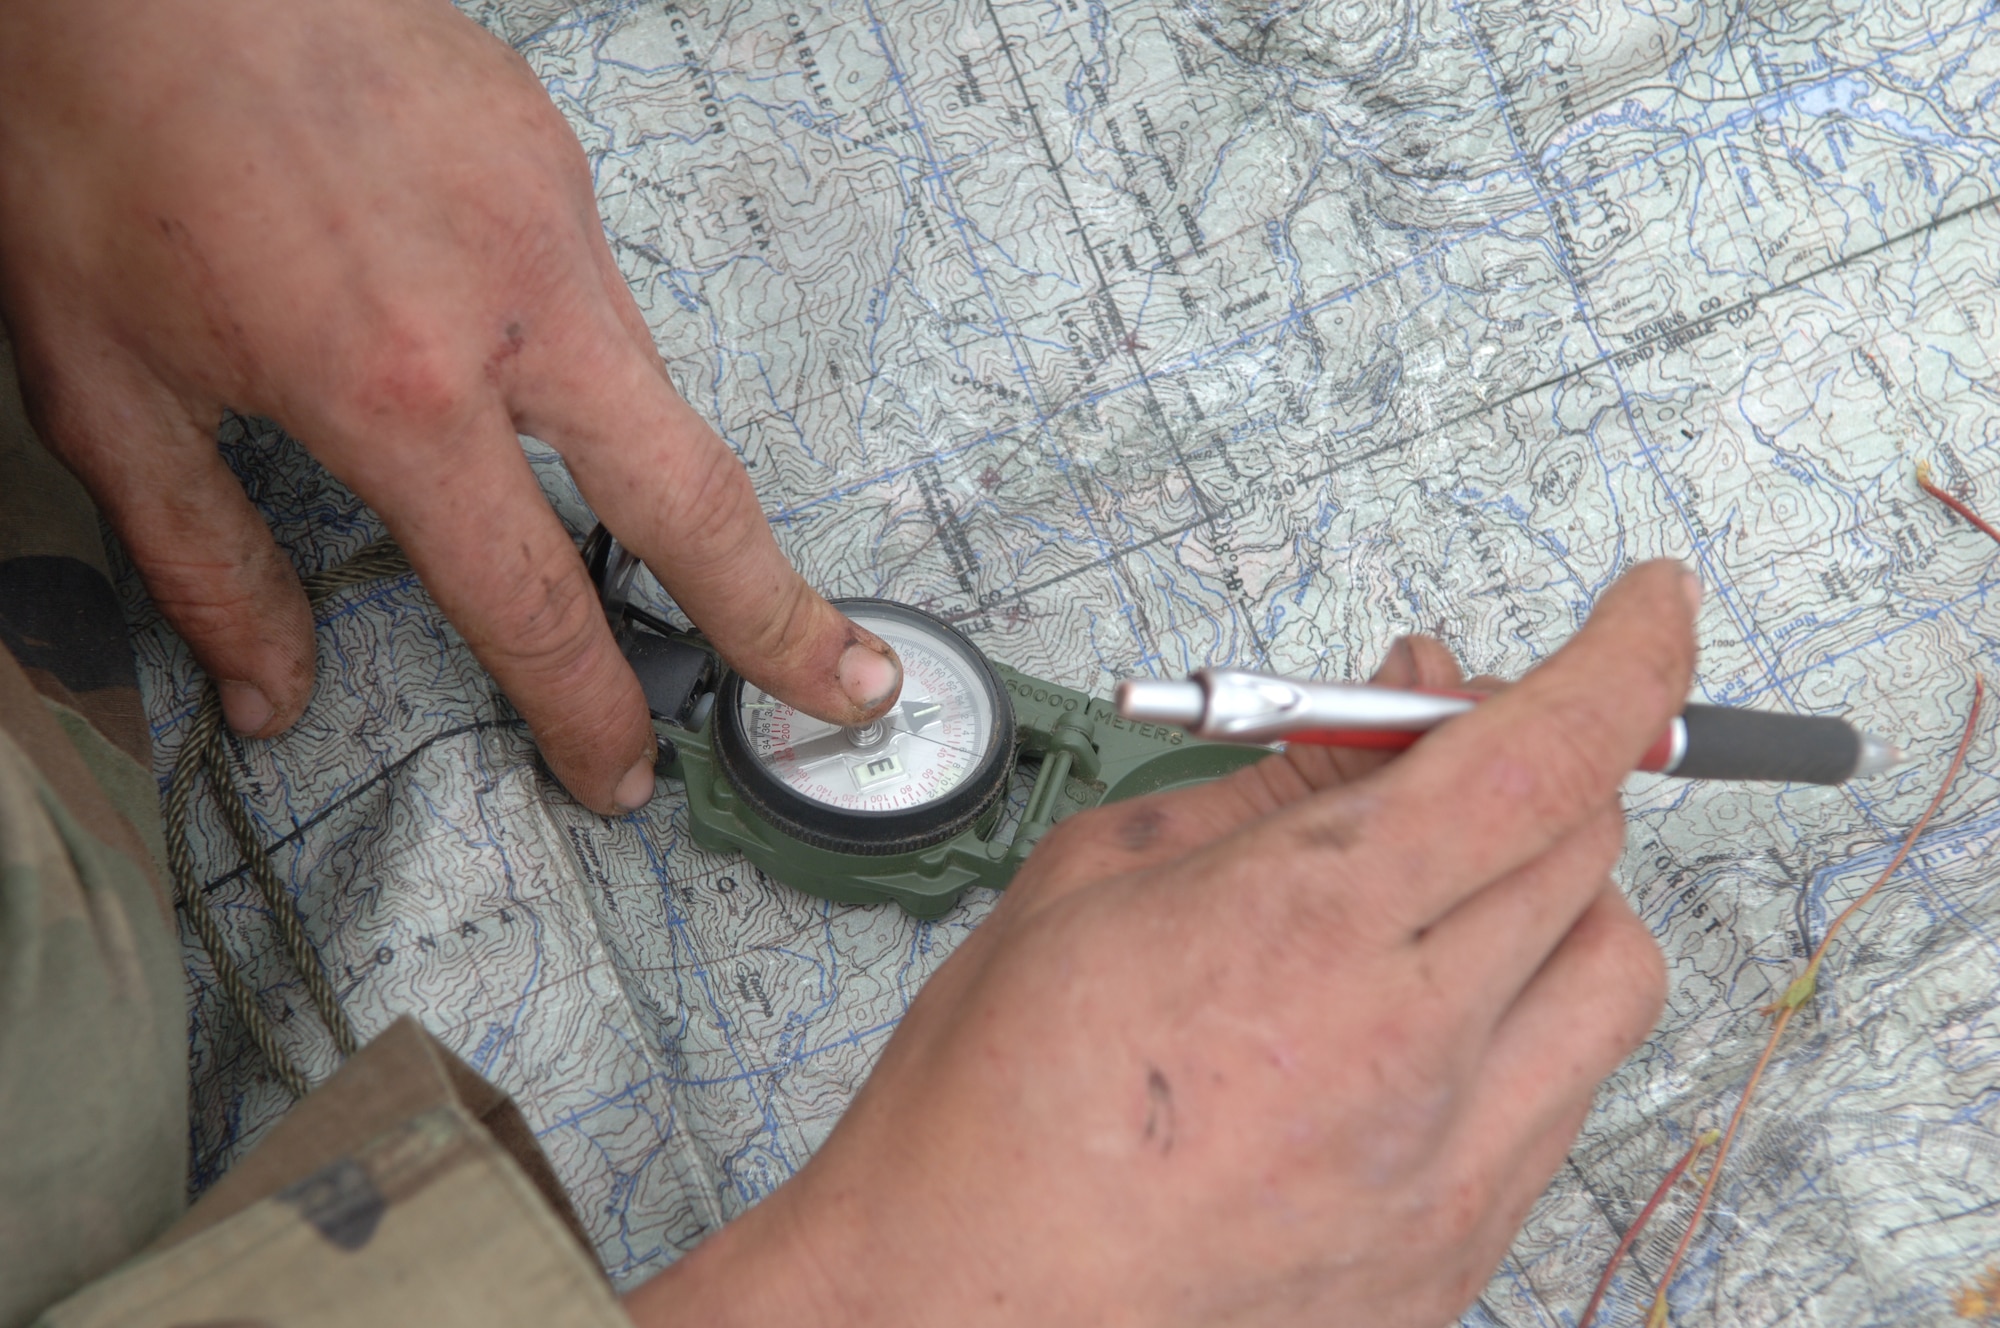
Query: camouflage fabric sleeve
x=428, y=1223
x=93, y=1026
x=93, y=1029
x=405, y=1189
x=59, y=615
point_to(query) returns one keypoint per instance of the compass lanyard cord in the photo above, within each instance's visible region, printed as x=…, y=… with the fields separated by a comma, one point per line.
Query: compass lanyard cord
x=205, y=757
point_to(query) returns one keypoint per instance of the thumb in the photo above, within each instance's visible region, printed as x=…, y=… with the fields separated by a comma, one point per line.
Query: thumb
x=674, y=494
x=204, y=553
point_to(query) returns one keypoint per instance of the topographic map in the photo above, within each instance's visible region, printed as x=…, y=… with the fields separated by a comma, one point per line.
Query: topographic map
x=1140, y=335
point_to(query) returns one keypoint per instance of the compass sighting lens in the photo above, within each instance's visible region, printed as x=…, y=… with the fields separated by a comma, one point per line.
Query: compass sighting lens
x=916, y=776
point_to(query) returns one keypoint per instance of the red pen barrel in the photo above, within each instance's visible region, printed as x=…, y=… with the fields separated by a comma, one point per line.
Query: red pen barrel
x=1654, y=758
x=1702, y=742
x=1657, y=757
x=1379, y=740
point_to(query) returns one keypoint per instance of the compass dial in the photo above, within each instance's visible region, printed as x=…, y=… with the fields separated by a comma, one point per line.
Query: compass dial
x=918, y=775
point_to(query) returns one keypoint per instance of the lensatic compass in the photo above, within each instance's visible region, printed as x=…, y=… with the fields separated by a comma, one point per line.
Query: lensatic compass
x=914, y=807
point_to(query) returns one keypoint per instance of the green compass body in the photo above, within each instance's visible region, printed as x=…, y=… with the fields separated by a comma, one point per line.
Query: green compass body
x=915, y=808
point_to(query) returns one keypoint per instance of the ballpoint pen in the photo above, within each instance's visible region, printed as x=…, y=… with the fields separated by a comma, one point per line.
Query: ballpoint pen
x=1702, y=742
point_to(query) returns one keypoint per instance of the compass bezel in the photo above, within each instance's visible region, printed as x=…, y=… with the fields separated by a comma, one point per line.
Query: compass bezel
x=873, y=833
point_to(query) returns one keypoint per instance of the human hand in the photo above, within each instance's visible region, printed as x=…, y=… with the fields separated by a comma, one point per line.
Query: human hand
x=1298, y=1047
x=365, y=219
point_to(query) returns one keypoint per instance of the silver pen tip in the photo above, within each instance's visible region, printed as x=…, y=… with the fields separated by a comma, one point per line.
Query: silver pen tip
x=1161, y=701
x=1878, y=756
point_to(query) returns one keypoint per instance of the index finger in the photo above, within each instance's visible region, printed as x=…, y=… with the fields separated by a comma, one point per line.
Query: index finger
x=1495, y=788
x=672, y=492
x=467, y=511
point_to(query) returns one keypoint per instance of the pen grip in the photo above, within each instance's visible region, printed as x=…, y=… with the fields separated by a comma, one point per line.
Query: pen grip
x=1724, y=743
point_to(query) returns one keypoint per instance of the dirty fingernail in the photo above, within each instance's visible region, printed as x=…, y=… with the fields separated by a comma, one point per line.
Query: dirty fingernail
x=244, y=706
x=870, y=676
x=636, y=789
x=1691, y=587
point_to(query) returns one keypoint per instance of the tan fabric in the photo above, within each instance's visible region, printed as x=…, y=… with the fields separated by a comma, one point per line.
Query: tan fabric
x=430, y=1224
x=93, y=1029
x=115, y=714
x=401, y=1074
x=131, y=789
x=26, y=717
